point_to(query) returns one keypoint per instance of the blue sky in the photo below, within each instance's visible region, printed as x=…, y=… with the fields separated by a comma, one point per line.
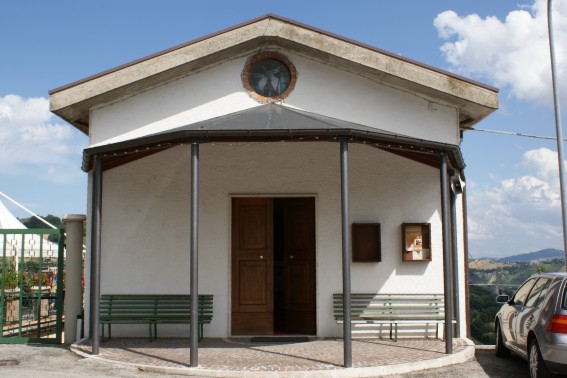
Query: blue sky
x=513, y=194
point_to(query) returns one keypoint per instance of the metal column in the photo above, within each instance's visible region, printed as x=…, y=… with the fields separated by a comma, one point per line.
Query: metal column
x=347, y=334
x=455, y=263
x=194, y=254
x=447, y=282
x=94, y=327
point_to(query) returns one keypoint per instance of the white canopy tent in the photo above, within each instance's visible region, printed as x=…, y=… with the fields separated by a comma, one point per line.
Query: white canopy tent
x=17, y=245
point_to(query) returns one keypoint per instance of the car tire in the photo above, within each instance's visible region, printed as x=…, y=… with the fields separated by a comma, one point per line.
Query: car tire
x=537, y=365
x=500, y=349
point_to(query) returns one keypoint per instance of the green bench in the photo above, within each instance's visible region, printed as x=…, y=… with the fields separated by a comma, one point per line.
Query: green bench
x=153, y=310
x=393, y=309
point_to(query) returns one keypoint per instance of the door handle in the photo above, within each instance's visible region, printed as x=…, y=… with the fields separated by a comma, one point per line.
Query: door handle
x=261, y=257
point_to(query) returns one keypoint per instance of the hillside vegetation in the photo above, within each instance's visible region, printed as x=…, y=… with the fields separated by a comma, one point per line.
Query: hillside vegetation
x=488, y=278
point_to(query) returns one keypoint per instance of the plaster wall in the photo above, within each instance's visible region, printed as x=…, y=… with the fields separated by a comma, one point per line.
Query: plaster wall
x=217, y=90
x=145, y=234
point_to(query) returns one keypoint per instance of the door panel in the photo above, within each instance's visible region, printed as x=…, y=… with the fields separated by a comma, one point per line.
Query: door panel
x=252, y=227
x=299, y=265
x=299, y=280
x=252, y=266
x=250, y=292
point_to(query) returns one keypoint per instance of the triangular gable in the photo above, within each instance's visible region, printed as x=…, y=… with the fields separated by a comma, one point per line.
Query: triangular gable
x=73, y=102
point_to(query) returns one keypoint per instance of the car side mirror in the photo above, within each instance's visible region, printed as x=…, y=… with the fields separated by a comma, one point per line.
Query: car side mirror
x=502, y=299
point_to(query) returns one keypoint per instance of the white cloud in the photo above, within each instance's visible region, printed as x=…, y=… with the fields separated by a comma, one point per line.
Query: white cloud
x=511, y=53
x=520, y=214
x=32, y=142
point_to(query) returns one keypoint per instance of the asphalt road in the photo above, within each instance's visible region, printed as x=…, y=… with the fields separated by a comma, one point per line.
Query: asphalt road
x=54, y=361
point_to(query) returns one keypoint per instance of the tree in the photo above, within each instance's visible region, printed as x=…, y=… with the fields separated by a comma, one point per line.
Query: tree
x=33, y=222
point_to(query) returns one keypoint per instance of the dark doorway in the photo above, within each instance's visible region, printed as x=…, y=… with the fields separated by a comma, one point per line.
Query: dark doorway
x=273, y=266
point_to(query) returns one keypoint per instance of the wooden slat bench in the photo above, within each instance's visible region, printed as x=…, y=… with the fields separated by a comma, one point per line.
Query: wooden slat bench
x=153, y=310
x=393, y=309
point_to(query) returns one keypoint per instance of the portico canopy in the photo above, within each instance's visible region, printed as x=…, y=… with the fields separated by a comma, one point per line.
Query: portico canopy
x=272, y=122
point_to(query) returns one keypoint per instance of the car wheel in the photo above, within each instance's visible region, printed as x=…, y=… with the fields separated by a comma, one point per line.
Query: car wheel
x=500, y=348
x=537, y=366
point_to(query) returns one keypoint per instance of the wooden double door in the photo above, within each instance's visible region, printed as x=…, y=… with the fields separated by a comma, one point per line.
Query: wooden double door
x=273, y=266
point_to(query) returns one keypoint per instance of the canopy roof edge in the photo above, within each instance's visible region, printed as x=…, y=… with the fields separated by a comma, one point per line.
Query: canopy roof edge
x=271, y=123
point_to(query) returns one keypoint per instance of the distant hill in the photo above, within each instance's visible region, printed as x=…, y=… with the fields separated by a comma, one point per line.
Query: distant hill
x=544, y=254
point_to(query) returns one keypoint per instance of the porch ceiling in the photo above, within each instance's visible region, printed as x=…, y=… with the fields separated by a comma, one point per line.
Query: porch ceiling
x=272, y=123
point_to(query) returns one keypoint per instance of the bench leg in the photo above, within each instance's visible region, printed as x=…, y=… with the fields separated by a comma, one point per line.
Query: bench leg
x=154, y=335
x=395, y=331
x=109, y=332
x=109, y=325
x=200, y=331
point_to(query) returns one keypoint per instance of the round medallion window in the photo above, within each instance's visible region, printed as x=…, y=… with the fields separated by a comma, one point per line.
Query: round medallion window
x=269, y=76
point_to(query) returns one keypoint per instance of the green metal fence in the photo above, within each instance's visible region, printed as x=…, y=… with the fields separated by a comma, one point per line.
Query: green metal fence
x=31, y=285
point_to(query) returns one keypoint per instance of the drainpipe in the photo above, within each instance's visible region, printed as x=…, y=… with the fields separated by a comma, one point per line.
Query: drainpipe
x=456, y=190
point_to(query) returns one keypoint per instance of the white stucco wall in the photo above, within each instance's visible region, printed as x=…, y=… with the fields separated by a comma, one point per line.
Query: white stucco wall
x=320, y=89
x=146, y=203
x=146, y=220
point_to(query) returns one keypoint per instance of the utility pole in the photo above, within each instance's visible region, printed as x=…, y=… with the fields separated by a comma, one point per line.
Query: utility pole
x=558, y=128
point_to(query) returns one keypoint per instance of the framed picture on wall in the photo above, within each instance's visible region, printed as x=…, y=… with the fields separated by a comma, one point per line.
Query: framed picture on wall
x=416, y=241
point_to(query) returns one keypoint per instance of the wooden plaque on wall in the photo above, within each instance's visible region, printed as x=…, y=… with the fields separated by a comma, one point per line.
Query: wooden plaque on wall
x=366, y=242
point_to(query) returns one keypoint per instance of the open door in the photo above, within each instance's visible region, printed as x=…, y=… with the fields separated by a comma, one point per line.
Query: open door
x=273, y=266
x=299, y=266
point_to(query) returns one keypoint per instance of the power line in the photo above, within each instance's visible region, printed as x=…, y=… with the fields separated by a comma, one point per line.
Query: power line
x=518, y=134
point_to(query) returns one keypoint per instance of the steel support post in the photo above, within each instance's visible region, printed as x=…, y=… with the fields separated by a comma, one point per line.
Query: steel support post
x=455, y=265
x=194, y=271
x=95, y=255
x=347, y=334
x=448, y=292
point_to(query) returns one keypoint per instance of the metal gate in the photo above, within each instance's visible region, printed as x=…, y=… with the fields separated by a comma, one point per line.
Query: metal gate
x=31, y=286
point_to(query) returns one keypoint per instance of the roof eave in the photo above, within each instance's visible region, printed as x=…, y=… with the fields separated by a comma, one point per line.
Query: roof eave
x=73, y=102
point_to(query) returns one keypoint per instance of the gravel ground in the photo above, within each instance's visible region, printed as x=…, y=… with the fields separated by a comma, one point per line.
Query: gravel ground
x=54, y=361
x=485, y=365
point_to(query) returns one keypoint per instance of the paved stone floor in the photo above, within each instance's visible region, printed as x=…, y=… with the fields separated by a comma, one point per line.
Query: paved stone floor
x=240, y=355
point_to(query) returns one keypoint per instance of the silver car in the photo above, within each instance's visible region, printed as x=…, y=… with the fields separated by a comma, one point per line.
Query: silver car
x=533, y=324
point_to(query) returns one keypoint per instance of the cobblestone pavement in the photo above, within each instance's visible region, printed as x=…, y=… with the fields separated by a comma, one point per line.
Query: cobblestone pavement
x=53, y=361
x=241, y=355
